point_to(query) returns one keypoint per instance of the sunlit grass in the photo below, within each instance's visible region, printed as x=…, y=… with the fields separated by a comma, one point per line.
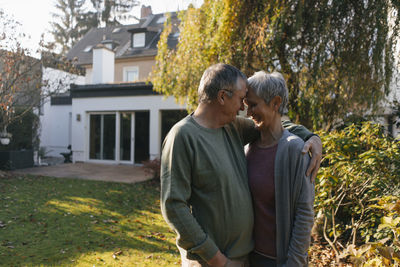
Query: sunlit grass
x=70, y=222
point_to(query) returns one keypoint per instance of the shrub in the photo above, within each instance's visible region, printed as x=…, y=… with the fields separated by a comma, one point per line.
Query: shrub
x=361, y=167
x=24, y=131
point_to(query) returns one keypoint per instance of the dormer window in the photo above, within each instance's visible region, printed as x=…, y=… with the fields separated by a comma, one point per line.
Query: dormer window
x=138, y=39
x=161, y=20
x=116, y=30
x=88, y=48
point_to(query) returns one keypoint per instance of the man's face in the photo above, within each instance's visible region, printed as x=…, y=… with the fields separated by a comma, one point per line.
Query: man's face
x=235, y=103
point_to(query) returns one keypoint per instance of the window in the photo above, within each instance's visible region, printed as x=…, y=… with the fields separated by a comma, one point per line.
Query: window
x=116, y=30
x=138, y=39
x=161, y=20
x=175, y=35
x=88, y=48
x=131, y=74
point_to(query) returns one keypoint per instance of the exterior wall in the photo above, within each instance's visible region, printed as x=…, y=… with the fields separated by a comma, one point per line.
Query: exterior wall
x=55, y=135
x=89, y=75
x=82, y=106
x=145, y=66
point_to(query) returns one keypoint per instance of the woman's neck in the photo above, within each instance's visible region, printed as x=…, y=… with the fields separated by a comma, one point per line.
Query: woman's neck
x=271, y=135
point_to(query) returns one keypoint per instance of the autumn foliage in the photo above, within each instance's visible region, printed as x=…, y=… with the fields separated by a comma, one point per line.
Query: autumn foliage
x=337, y=56
x=357, y=201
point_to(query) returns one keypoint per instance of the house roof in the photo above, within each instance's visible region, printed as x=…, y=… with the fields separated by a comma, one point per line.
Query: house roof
x=108, y=90
x=120, y=37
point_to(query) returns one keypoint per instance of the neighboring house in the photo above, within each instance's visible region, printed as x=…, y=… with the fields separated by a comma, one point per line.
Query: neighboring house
x=114, y=115
x=389, y=117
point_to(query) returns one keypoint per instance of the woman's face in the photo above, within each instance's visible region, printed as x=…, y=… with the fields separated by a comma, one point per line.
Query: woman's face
x=260, y=112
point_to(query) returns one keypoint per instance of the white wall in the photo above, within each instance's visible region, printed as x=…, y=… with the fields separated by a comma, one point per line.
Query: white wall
x=88, y=76
x=82, y=106
x=55, y=132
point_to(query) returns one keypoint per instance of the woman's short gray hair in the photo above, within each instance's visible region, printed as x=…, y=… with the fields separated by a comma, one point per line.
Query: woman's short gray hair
x=269, y=85
x=218, y=77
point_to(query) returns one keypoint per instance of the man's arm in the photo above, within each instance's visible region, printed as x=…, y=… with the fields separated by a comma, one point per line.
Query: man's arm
x=312, y=144
x=175, y=194
x=312, y=141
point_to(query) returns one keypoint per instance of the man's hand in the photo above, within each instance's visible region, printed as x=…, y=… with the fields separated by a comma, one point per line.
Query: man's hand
x=232, y=263
x=313, y=145
x=219, y=260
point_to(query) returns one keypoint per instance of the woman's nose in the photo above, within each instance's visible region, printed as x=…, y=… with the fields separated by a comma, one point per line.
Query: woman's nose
x=249, y=111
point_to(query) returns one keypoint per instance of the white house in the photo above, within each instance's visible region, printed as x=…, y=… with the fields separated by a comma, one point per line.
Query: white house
x=112, y=115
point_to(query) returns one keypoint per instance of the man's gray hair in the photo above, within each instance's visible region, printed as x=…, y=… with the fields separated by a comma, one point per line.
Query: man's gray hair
x=269, y=85
x=218, y=77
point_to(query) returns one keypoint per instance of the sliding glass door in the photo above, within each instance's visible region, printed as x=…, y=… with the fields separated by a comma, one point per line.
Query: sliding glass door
x=102, y=137
x=119, y=136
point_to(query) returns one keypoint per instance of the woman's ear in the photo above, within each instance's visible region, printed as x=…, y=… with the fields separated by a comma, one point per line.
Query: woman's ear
x=276, y=102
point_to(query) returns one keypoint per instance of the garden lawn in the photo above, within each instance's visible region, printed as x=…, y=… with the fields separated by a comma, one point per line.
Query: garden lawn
x=69, y=222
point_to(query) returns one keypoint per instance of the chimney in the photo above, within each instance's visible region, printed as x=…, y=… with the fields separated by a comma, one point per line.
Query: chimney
x=103, y=64
x=145, y=11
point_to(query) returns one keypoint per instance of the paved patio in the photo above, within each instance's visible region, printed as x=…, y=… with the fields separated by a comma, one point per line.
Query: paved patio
x=91, y=171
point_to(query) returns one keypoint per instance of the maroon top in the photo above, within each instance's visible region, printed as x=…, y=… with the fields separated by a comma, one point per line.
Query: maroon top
x=260, y=170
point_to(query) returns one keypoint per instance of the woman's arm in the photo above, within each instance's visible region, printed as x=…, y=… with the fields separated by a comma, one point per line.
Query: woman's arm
x=303, y=217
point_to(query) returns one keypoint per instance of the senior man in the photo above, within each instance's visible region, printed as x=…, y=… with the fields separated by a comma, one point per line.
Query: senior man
x=205, y=196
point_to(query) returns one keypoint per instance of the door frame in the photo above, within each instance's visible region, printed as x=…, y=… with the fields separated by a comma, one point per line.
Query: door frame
x=132, y=137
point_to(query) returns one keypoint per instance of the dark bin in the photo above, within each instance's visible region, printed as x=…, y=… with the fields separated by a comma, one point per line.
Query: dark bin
x=16, y=159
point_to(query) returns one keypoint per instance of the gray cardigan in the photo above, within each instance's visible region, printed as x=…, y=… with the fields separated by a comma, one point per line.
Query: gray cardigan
x=294, y=198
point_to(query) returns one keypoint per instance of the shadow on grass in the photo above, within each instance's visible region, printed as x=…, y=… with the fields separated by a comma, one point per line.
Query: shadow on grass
x=54, y=221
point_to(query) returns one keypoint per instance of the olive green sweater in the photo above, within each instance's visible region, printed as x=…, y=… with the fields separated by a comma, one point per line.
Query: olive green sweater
x=204, y=192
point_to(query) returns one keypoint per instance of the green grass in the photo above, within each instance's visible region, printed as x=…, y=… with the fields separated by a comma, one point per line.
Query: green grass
x=70, y=222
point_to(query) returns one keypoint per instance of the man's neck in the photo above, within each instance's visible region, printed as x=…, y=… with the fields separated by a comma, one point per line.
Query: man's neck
x=208, y=115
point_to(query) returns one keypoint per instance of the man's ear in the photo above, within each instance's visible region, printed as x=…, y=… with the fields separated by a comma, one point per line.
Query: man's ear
x=276, y=102
x=221, y=97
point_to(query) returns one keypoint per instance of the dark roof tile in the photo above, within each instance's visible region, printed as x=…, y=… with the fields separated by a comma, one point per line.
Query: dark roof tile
x=121, y=39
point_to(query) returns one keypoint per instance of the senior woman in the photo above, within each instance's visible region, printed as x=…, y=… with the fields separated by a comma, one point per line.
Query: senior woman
x=282, y=194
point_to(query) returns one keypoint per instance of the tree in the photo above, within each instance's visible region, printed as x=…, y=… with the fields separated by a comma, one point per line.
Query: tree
x=337, y=56
x=22, y=85
x=112, y=12
x=66, y=30
x=76, y=17
x=20, y=75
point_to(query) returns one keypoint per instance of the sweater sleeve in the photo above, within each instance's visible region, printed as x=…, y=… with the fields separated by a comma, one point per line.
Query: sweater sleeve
x=175, y=194
x=248, y=132
x=303, y=218
x=298, y=130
